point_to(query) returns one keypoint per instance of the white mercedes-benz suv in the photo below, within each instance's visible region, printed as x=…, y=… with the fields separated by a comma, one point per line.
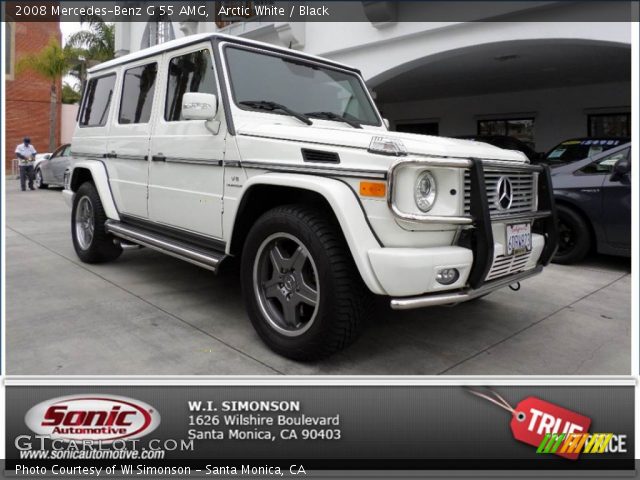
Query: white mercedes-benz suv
x=213, y=146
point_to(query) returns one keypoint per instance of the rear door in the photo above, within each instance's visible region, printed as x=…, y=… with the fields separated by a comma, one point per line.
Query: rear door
x=186, y=170
x=128, y=145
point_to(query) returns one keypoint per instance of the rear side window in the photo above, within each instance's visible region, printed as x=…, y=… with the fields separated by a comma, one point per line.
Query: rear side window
x=138, y=87
x=97, y=99
x=192, y=72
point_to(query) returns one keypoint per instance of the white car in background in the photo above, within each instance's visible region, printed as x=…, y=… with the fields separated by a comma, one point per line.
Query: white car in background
x=50, y=167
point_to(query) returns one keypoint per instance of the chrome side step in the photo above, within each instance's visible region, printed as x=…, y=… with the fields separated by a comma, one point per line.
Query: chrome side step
x=205, y=258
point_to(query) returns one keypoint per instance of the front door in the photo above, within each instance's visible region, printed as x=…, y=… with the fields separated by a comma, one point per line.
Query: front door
x=616, y=202
x=186, y=168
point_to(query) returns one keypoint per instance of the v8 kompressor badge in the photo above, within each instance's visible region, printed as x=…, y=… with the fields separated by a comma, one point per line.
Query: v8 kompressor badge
x=103, y=418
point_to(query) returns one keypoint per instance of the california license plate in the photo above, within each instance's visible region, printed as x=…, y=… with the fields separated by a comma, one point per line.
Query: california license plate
x=518, y=238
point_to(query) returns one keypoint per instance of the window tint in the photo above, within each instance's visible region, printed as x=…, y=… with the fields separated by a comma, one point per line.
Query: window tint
x=136, y=100
x=192, y=72
x=605, y=165
x=300, y=85
x=97, y=99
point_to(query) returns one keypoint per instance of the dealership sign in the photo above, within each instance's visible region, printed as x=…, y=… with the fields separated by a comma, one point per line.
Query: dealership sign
x=103, y=418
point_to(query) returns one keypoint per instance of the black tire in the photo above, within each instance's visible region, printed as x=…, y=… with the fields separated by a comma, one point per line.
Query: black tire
x=39, y=183
x=342, y=298
x=101, y=246
x=574, y=236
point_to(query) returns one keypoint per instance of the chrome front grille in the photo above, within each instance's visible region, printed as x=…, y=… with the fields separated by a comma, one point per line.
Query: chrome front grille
x=525, y=185
x=503, y=265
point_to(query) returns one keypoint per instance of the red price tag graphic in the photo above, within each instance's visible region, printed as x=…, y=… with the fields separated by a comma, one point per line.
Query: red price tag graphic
x=535, y=418
x=532, y=419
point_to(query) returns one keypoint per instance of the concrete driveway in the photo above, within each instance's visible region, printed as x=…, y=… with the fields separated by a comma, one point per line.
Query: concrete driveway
x=150, y=314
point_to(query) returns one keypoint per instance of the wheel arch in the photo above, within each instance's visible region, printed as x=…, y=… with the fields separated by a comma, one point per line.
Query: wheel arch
x=264, y=192
x=95, y=172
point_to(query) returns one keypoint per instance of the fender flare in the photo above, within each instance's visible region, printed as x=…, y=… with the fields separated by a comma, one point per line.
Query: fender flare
x=100, y=177
x=346, y=207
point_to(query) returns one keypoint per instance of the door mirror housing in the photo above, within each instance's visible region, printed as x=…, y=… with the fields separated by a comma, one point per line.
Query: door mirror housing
x=199, y=106
x=47, y=156
x=620, y=170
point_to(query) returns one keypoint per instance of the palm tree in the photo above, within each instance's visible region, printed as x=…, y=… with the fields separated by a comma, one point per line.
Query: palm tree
x=52, y=64
x=87, y=48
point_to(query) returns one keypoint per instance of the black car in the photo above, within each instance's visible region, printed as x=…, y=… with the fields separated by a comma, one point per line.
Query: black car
x=508, y=143
x=593, y=201
x=576, y=149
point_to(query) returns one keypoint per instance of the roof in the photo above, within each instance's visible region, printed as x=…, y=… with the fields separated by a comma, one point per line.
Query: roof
x=174, y=44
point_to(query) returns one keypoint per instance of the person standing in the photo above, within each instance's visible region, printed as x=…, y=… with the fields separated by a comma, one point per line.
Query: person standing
x=26, y=154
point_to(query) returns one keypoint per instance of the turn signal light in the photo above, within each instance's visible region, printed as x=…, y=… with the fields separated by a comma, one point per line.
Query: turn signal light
x=373, y=189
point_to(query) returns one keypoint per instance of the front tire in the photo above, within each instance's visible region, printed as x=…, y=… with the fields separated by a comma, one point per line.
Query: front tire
x=90, y=239
x=302, y=290
x=574, y=236
x=38, y=180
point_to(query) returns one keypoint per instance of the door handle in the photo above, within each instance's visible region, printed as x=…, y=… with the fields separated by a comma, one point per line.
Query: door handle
x=158, y=158
x=111, y=155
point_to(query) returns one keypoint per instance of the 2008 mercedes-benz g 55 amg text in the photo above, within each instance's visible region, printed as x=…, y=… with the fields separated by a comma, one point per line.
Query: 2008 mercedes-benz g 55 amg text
x=213, y=146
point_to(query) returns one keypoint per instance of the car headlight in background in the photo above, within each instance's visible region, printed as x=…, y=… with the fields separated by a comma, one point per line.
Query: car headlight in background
x=425, y=191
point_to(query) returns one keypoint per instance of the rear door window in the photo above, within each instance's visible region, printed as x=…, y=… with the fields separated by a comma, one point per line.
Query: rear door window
x=138, y=87
x=97, y=100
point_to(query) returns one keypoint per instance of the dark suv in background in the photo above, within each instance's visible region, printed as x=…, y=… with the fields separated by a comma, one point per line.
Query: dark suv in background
x=593, y=200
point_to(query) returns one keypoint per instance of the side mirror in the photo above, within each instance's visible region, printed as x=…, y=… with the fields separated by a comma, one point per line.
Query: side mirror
x=199, y=106
x=47, y=156
x=620, y=170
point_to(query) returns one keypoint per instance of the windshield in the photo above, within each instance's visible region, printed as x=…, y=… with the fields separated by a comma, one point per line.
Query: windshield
x=573, y=150
x=302, y=87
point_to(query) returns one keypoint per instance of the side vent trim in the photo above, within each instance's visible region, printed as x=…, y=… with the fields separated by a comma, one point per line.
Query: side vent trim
x=319, y=156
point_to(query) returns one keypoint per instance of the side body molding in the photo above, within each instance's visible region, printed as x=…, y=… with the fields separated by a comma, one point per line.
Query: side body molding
x=100, y=179
x=343, y=202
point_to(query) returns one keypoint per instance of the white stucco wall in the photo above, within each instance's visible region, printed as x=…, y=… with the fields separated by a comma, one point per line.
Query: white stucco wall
x=67, y=122
x=559, y=113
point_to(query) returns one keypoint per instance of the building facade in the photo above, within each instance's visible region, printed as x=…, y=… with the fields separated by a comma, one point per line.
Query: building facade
x=540, y=81
x=28, y=96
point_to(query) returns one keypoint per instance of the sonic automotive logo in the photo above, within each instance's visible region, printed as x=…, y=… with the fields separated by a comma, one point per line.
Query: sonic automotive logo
x=103, y=418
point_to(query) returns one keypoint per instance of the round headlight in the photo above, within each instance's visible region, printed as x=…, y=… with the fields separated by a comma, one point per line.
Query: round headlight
x=425, y=191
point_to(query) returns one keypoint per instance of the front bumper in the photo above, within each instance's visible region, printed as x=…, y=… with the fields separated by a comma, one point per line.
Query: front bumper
x=465, y=295
x=405, y=272
x=478, y=275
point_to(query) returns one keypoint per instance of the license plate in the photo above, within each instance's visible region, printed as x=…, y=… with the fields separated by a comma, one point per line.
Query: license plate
x=518, y=238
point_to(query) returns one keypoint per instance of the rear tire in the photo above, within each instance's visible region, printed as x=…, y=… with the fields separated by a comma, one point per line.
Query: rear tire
x=38, y=180
x=301, y=288
x=574, y=236
x=90, y=239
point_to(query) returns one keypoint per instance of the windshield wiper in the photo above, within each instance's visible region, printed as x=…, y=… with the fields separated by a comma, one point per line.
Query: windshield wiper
x=334, y=116
x=270, y=106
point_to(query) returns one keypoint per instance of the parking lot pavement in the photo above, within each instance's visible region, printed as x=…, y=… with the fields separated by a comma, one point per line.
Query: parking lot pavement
x=150, y=314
